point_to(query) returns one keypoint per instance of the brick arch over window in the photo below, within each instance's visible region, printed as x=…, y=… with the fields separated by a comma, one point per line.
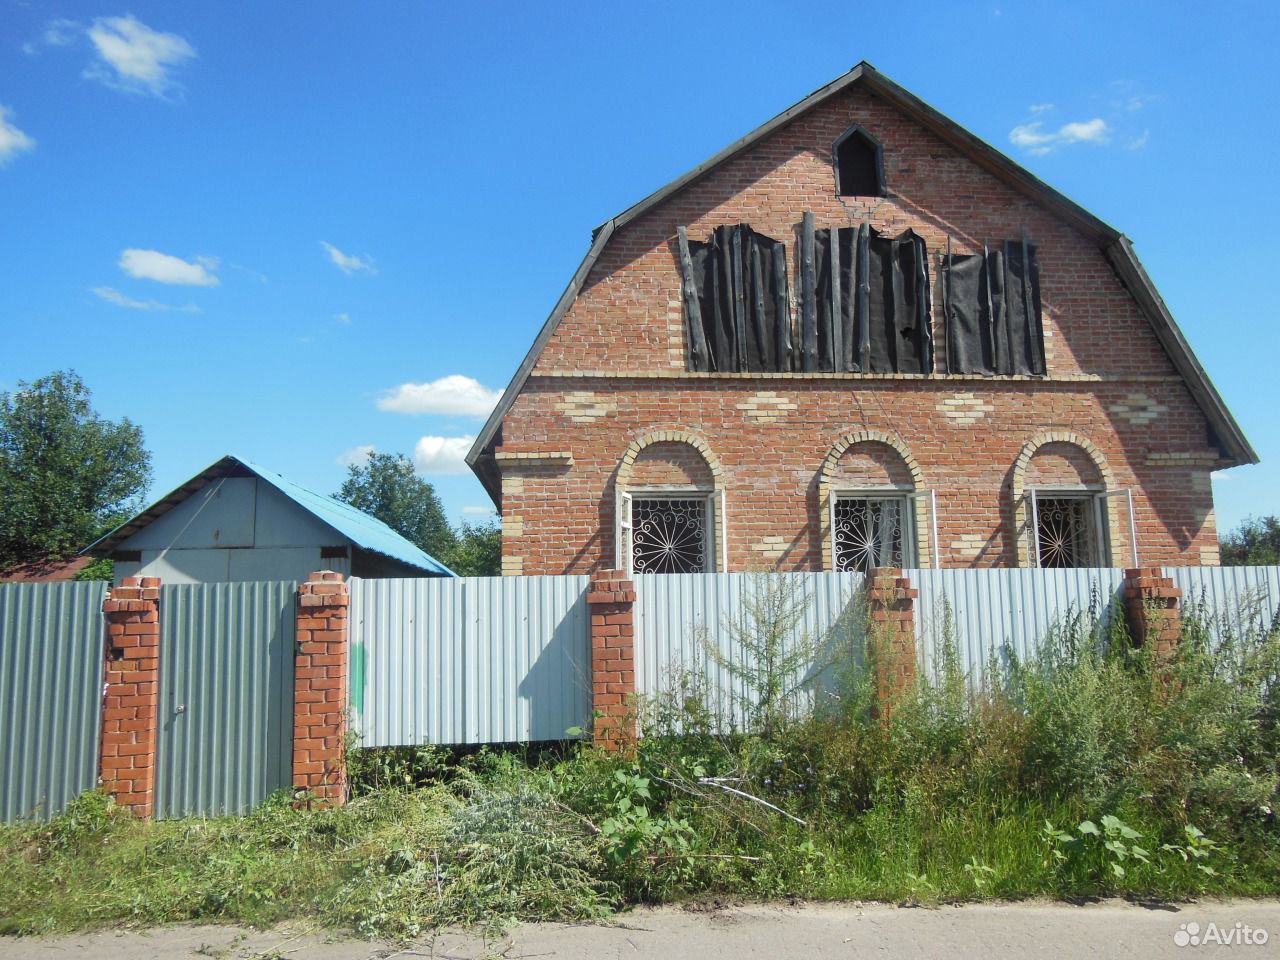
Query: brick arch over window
x=1024, y=536
x=829, y=480
x=632, y=470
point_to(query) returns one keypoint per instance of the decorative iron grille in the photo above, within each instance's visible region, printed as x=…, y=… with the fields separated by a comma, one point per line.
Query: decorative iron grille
x=868, y=533
x=669, y=535
x=1065, y=531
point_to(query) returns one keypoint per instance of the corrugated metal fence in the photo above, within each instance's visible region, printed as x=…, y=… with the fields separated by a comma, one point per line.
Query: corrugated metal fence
x=51, y=654
x=1236, y=599
x=476, y=660
x=693, y=625
x=985, y=611
x=225, y=737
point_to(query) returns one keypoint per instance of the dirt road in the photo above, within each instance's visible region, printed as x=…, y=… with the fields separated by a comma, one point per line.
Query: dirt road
x=812, y=932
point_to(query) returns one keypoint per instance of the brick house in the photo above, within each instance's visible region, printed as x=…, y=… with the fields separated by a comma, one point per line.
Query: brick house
x=858, y=336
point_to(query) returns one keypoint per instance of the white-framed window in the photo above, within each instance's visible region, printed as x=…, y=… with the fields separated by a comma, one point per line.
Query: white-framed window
x=668, y=530
x=1069, y=528
x=872, y=528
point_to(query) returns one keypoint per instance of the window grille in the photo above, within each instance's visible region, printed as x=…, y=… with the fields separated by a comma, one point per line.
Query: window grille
x=670, y=534
x=869, y=532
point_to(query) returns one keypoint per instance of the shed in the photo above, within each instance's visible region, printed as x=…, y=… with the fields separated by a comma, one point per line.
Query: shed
x=237, y=521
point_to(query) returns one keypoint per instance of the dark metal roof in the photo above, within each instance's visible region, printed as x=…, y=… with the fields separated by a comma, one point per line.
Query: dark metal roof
x=367, y=532
x=1117, y=248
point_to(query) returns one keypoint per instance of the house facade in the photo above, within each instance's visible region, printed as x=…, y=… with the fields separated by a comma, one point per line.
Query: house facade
x=857, y=337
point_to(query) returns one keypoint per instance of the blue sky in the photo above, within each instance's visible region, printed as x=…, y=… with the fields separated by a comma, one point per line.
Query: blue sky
x=250, y=226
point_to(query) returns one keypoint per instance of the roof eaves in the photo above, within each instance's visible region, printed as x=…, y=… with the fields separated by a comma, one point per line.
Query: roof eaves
x=1124, y=260
x=485, y=437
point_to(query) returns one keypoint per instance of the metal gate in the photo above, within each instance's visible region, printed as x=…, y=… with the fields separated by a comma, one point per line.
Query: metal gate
x=226, y=696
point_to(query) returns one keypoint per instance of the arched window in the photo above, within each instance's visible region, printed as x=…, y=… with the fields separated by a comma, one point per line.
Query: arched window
x=876, y=512
x=1067, y=508
x=858, y=159
x=670, y=507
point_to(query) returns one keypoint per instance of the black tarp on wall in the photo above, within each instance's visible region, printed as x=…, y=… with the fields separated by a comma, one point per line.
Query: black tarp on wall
x=993, y=313
x=866, y=301
x=737, y=312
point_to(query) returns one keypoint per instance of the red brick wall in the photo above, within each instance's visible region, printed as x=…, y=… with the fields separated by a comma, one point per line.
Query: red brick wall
x=127, y=762
x=611, y=600
x=320, y=687
x=671, y=464
x=614, y=371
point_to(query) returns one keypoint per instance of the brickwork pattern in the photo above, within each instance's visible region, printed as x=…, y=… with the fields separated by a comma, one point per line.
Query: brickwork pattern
x=623, y=338
x=611, y=600
x=320, y=688
x=891, y=636
x=127, y=761
x=1153, y=610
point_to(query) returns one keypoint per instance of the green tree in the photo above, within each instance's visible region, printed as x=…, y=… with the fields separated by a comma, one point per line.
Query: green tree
x=66, y=474
x=386, y=487
x=1253, y=543
x=479, y=551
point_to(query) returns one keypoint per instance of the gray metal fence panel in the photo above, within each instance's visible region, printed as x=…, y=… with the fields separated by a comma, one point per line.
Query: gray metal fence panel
x=1236, y=599
x=469, y=660
x=225, y=738
x=989, y=609
x=682, y=617
x=51, y=655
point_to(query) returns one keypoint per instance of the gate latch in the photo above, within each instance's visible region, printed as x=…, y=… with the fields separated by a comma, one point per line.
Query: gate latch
x=180, y=708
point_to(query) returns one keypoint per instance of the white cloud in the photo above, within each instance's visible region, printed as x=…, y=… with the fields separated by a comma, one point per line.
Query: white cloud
x=348, y=263
x=1033, y=138
x=442, y=455
x=342, y=318
x=111, y=295
x=12, y=140
x=1041, y=107
x=454, y=395
x=357, y=456
x=165, y=268
x=133, y=57
x=1137, y=143
x=61, y=32
x=483, y=511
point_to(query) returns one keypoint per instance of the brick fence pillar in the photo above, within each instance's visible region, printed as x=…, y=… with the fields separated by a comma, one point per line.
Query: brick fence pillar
x=131, y=690
x=1152, y=607
x=320, y=688
x=611, y=598
x=891, y=636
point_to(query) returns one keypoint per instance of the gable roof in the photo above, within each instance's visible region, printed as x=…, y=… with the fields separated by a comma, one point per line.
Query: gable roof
x=364, y=531
x=1115, y=246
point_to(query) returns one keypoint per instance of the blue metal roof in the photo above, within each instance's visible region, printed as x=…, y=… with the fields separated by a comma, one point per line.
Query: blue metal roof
x=365, y=531
x=360, y=528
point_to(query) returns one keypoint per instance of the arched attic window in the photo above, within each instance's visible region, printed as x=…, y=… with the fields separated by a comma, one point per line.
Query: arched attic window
x=858, y=159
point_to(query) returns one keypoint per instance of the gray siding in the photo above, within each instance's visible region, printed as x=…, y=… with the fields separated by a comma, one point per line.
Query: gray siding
x=234, y=530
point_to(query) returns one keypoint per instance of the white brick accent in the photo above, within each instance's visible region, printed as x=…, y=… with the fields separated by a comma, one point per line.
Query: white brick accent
x=964, y=409
x=583, y=406
x=765, y=406
x=1139, y=409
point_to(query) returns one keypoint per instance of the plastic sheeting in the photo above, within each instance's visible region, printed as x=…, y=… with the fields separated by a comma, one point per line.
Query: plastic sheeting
x=870, y=301
x=737, y=314
x=993, y=314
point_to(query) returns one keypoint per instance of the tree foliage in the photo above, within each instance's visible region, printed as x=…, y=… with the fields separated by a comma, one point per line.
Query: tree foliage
x=66, y=474
x=1254, y=543
x=479, y=551
x=386, y=487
